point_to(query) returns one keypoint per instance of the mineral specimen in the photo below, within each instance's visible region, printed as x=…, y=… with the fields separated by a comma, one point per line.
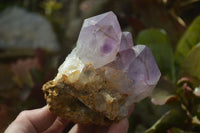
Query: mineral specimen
x=103, y=76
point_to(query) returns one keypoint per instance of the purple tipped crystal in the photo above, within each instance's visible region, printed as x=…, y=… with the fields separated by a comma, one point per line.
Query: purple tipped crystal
x=138, y=64
x=143, y=72
x=131, y=69
x=102, y=43
x=105, y=62
x=99, y=39
x=126, y=41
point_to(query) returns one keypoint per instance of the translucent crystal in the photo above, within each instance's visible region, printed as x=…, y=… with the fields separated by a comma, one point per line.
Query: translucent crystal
x=99, y=39
x=143, y=72
x=126, y=41
x=105, y=71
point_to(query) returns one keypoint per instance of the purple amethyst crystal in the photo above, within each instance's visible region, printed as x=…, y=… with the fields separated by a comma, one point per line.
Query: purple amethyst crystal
x=99, y=39
x=109, y=69
x=126, y=41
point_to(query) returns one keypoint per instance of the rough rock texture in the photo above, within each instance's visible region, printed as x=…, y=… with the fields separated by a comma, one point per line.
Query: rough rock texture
x=22, y=29
x=104, y=75
x=69, y=107
x=92, y=100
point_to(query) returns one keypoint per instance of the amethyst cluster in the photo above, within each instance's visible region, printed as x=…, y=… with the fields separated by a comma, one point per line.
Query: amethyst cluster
x=102, y=43
x=105, y=71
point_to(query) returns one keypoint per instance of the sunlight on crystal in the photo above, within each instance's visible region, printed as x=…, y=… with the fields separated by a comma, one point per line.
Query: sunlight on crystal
x=106, y=57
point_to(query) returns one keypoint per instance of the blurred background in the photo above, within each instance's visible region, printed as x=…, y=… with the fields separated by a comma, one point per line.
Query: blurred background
x=37, y=35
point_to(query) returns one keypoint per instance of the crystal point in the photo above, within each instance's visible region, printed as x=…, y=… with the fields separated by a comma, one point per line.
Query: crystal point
x=143, y=72
x=126, y=41
x=99, y=39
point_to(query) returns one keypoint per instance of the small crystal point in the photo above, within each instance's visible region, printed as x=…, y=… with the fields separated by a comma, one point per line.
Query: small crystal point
x=126, y=41
x=143, y=72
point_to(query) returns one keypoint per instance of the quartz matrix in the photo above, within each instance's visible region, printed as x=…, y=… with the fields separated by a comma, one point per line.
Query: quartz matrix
x=103, y=75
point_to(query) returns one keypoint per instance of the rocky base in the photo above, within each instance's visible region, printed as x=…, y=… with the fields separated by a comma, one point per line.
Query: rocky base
x=87, y=101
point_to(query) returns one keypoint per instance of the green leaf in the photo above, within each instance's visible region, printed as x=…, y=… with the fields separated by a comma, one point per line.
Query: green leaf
x=191, y=63
x=163, y=92
x=190, y=38
x=157, y=40
x=139, y=129
x=146, y=114
x=177, y=130
x=170, y=119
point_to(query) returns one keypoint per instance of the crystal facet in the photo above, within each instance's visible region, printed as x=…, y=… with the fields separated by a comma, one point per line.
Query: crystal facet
x=126, y=41
x=105, y=74
x=99, y=39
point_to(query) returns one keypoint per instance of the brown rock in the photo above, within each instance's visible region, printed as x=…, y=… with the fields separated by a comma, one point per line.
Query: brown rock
x=89, y=100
